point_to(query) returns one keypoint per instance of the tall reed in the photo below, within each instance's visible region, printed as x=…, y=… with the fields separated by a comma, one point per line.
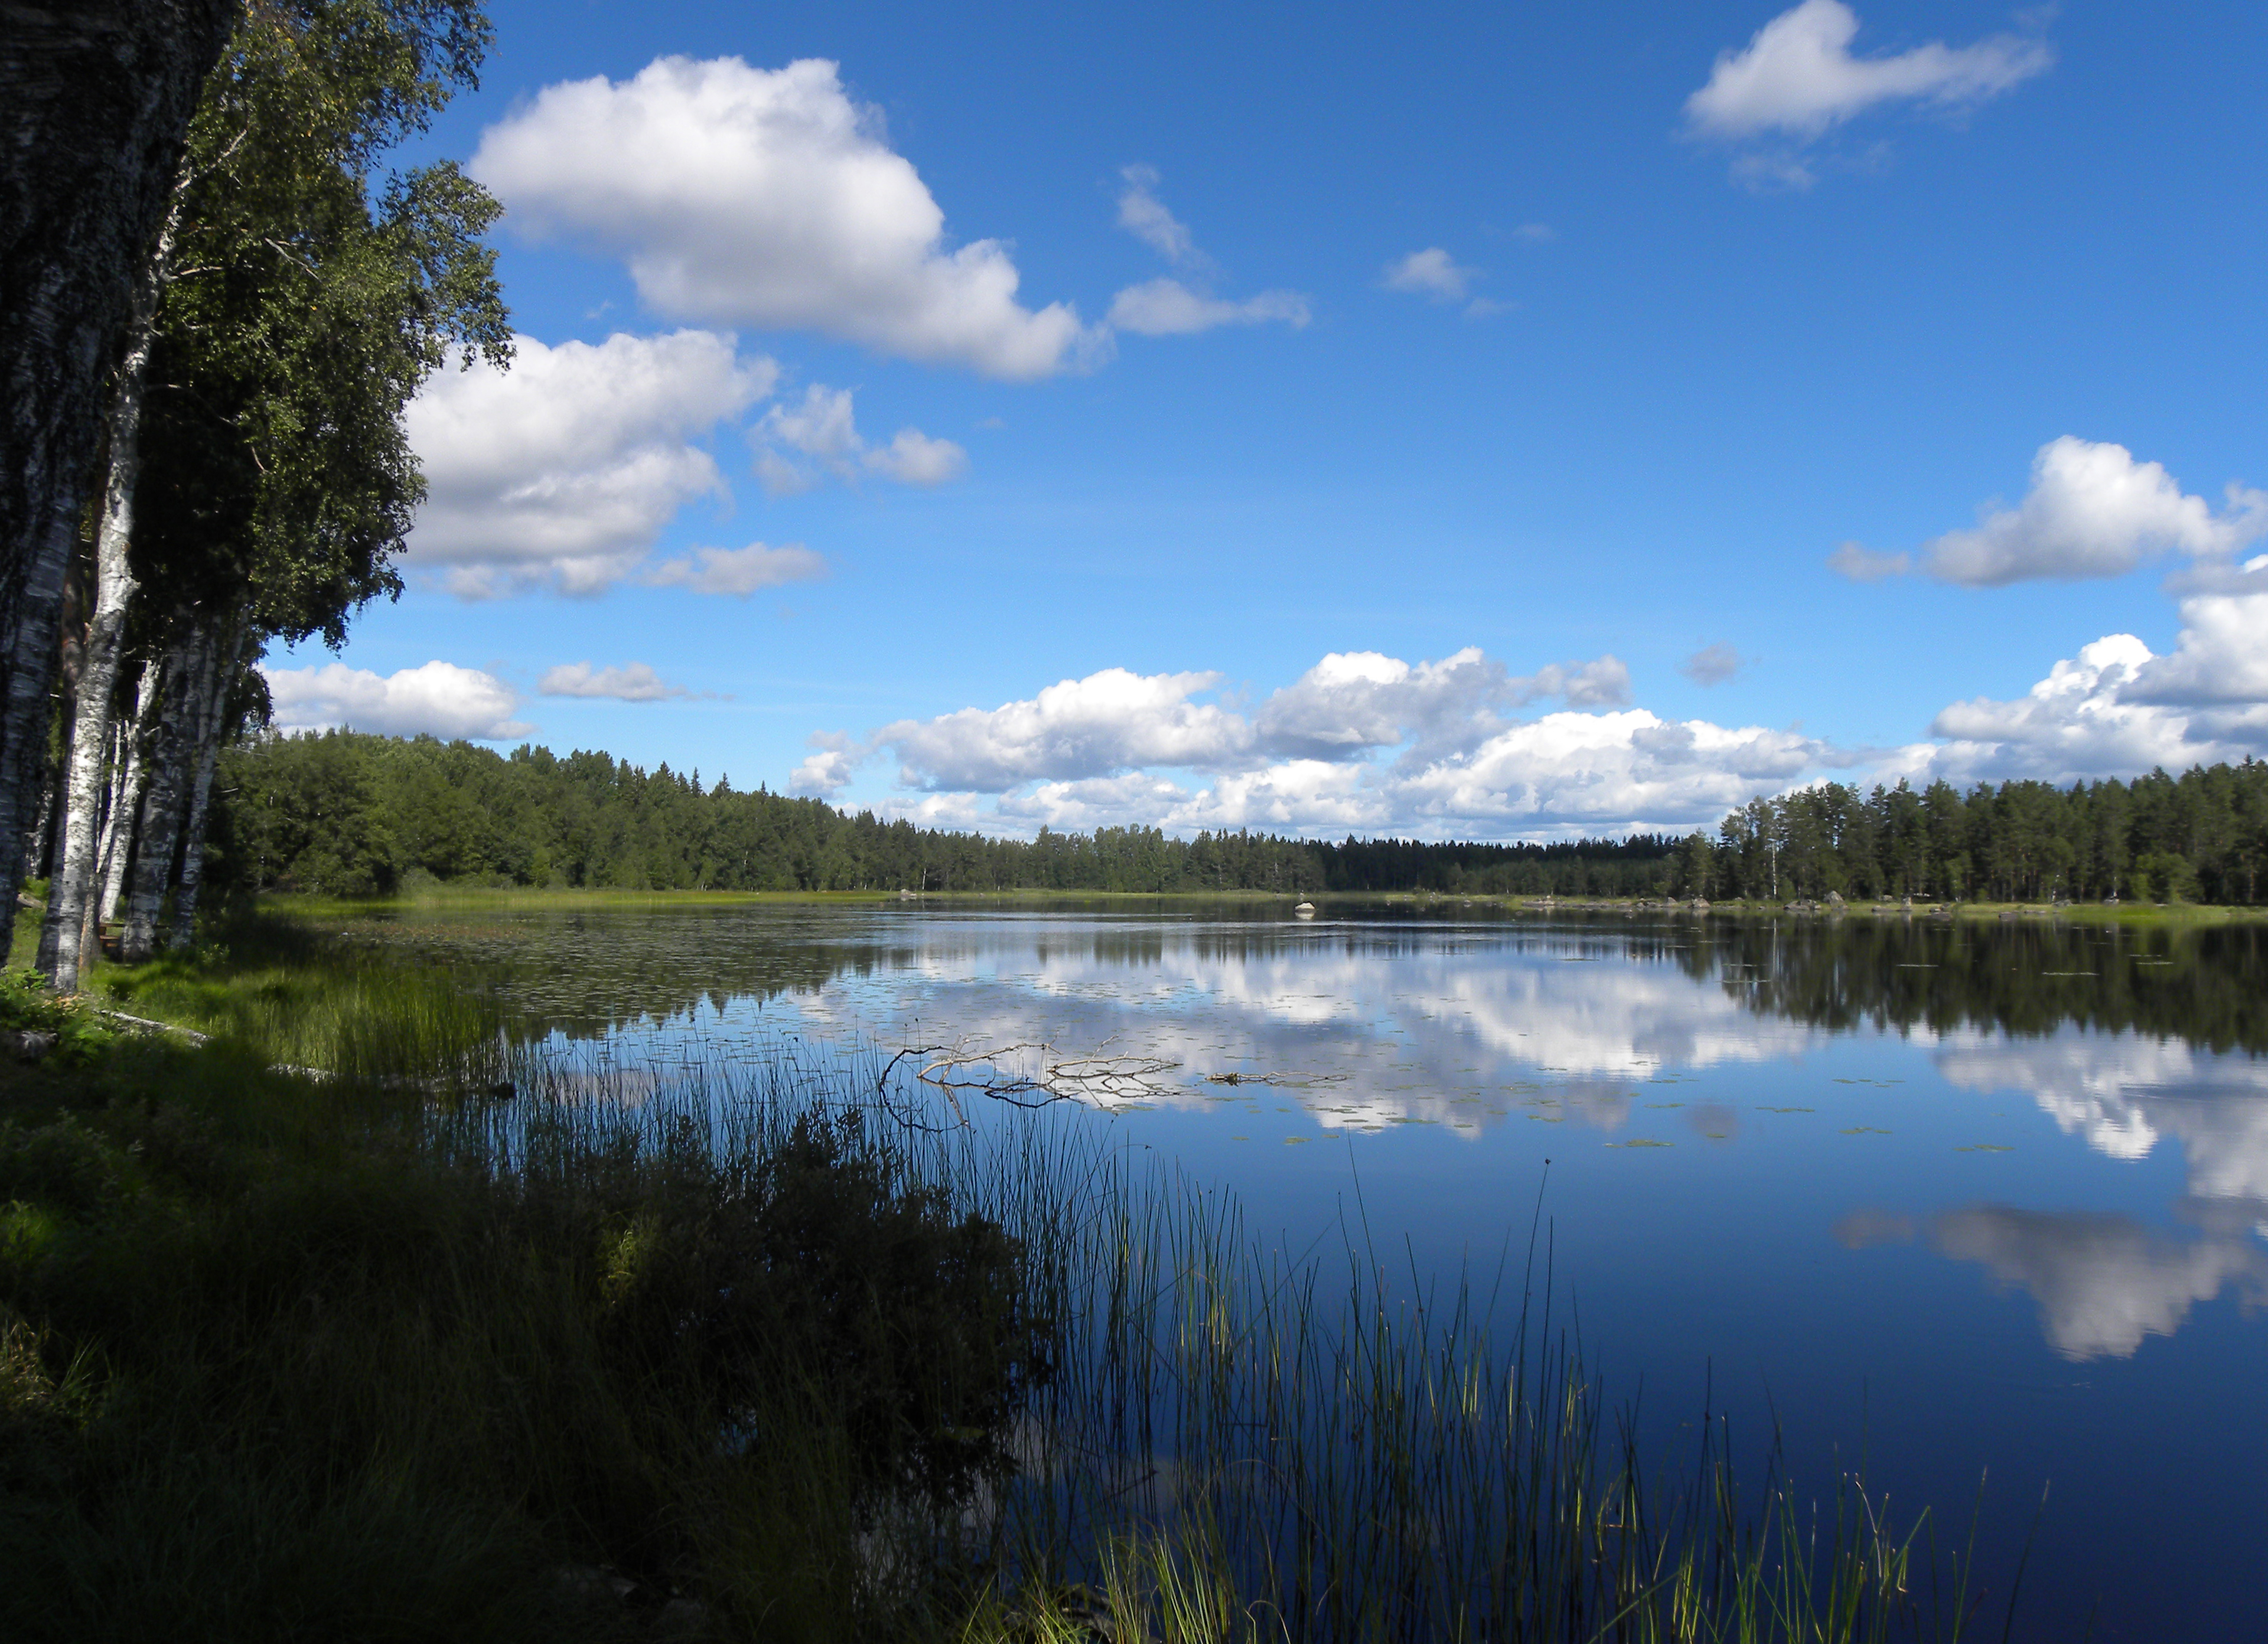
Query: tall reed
x=1243, y=1443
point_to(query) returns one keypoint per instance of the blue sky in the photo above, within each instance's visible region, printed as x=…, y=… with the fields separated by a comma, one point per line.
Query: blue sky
x=1491, y=422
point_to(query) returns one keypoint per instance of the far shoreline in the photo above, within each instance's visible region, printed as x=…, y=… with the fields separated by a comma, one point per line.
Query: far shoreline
x=448, y=898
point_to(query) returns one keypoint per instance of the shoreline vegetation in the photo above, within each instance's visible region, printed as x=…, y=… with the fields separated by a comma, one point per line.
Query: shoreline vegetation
x=348, y=814
x=455, y=1342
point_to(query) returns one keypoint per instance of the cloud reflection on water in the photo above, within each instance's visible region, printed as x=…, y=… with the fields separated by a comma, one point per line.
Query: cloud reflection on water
x=2103, y=1281
x=2123, y=1092
x=1407, y=1028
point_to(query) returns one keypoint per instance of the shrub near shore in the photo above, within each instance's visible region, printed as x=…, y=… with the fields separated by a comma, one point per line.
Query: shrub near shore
x=288, y=1358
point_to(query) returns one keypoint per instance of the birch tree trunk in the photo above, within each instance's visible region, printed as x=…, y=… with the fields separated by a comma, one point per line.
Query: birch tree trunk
x=179, y=692
x=226, y=656
x=106, y=627
x=95, y=100
x=125, y=806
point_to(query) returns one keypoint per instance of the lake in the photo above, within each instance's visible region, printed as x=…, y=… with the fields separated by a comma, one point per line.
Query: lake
x=1949, y=1199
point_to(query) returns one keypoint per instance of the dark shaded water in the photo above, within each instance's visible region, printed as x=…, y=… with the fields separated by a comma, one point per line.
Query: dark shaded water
x=1954, y=1199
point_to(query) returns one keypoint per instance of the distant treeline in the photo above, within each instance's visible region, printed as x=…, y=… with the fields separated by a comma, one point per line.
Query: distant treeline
x=2202, y=836
x=346, y=813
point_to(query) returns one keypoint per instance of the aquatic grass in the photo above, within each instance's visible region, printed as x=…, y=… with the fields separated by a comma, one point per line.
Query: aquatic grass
x=1250, y=1449
x=281, y=991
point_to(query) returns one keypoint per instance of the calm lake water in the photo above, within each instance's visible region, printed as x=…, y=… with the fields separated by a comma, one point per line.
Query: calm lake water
x=1954, y=1201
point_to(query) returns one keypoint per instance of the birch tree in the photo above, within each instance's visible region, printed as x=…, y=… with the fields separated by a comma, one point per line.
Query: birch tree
x=295, y=317
x=96, y=98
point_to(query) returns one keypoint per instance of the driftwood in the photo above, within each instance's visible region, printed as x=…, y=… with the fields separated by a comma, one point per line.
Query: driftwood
x=954, y=1068
x=1097, y=1078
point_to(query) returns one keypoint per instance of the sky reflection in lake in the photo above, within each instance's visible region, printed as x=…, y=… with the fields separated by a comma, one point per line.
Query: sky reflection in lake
x=1966, y=1197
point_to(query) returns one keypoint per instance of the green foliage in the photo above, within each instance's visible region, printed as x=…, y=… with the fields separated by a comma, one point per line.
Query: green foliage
x=382, y=1371
x=2202, y=836
x=342, y=813
x=302, y=312
x=819, y=1259
x=27, y=1006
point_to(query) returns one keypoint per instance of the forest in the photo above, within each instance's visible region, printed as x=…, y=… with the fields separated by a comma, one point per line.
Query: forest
x=345, y=814
x=2198, y=837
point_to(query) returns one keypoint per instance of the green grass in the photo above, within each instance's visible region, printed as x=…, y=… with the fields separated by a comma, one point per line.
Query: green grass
x=436, y=1346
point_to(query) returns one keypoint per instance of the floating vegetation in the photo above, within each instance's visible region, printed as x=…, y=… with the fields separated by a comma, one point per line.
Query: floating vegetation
x=1641, y=1141
x=1984, y=1146
x=1279, y=1080
x=1787, y=1110
x=1863, y=1130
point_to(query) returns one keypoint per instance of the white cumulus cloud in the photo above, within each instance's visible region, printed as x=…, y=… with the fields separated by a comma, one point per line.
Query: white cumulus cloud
x=913, y=458
x=2117, y=709
x=1091, y=727
x=740, y=571
x=1142, y=215
x=1713, y=665
x=740, y=195
x=1604, y=772
x=2220, y=658
x=2092, y=510
x=1353, y=702
x=1862, y=564
x=833, y=760
x=1362, y=741
x=438, y=699
x=561, y=472
x=633, y=682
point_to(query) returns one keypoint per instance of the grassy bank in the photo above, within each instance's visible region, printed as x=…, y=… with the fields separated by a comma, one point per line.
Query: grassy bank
x=452, y=1343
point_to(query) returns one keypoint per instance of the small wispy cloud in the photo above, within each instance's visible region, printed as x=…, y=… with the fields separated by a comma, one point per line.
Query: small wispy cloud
x=739, y=571
x=1797, y=79
x=631, y=682
x=1169, y=307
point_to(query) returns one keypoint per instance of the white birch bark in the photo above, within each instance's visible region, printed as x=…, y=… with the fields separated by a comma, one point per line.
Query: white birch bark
x=95, y=97
x=114, y=578
x=226, y=658
x=118, y=837
x=180, y=695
